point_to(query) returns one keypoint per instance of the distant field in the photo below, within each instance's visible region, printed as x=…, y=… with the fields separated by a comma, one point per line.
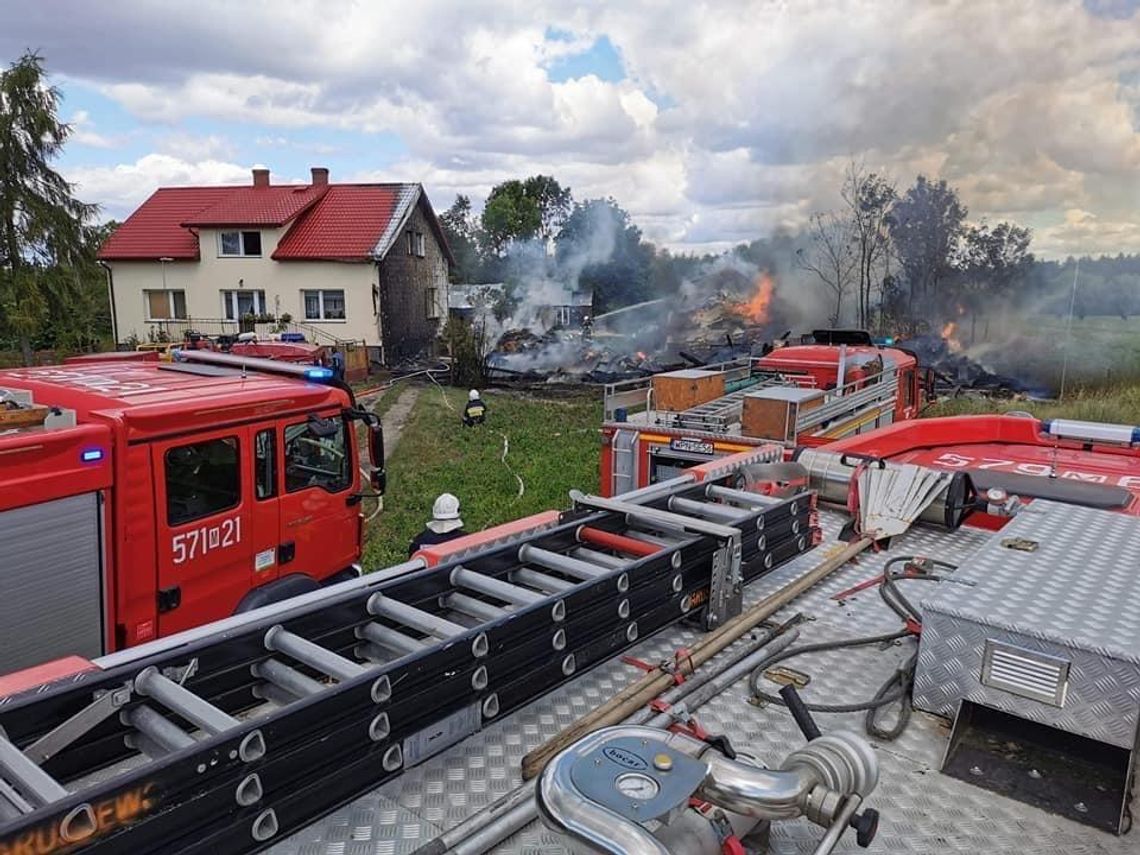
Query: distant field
x=1102, y=349
x=553, y=447
x=1117, y=404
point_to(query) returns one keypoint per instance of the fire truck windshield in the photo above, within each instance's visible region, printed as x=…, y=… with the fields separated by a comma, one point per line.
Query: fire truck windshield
x=316, y=458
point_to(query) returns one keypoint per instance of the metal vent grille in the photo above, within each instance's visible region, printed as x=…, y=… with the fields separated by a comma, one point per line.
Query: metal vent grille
x=1027, y=673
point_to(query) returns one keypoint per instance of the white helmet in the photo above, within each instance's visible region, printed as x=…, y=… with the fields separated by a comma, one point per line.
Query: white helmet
x=446, y=507
x=473, y=395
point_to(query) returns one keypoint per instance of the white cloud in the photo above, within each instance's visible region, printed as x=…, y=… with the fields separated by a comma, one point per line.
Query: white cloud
x=195, y=147
x=1084, y=233
x=736, y=118
x=83, y=132
x=120, y=189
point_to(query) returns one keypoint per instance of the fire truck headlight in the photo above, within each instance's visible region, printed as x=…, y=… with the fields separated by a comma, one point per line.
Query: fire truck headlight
x=91, y=455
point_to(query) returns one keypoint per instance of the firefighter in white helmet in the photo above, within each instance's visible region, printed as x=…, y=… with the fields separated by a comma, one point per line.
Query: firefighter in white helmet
x=443, y=526
x=475, y=413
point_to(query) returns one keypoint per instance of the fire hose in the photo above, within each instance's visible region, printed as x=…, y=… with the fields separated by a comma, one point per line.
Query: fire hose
x=898, y=686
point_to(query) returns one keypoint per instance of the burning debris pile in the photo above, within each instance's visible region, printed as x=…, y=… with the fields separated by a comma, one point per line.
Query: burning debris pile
x=956, y=372
x=718, y=317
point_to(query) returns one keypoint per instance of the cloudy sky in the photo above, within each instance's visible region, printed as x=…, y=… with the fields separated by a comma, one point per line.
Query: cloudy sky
x=712, y=123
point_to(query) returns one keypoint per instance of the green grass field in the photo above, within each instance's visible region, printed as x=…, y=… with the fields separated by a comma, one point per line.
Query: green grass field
x=1102, y=350
x=553, y=447
x=1116, y=404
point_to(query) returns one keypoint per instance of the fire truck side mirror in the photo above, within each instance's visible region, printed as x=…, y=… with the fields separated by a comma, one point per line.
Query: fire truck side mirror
x=378, y=476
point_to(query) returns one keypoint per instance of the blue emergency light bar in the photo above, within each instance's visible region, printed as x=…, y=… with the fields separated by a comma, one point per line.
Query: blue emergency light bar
x=1092, y=431
x=314, y=373
x=91, y=455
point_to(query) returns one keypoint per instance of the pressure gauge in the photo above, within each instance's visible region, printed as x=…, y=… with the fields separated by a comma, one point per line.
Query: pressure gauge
x=637, y=786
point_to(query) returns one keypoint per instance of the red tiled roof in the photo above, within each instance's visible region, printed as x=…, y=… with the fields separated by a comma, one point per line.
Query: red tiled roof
x=258, y=206
x=155, y=229
x=347, y=223
x=338, y=222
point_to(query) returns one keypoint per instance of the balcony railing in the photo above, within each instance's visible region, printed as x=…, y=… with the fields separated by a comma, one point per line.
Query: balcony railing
x=176, y=329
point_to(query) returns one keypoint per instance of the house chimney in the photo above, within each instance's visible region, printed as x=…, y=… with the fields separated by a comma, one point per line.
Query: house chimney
x=260, y=176
x=320, y=175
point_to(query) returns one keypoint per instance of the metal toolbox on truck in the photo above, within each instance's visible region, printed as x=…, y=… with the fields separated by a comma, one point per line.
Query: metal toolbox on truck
x=1039, y=655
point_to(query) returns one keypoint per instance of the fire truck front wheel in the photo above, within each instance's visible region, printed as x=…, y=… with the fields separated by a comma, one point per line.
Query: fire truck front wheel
x=292, y=585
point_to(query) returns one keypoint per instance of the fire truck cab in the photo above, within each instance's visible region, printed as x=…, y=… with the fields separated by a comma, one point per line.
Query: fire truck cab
x=831, y=384
x=142, y=498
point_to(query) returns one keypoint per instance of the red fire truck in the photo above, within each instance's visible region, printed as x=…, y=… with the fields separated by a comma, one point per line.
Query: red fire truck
x=140, y=498
x=829, y=385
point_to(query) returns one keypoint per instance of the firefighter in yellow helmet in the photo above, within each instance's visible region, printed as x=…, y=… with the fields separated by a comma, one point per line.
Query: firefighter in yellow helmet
x=475, y=413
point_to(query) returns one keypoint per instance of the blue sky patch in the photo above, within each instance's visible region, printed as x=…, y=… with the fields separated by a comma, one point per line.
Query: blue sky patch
x=601, y=59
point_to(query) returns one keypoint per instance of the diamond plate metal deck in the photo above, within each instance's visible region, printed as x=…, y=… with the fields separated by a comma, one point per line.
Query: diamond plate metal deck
x=1062, y=599
x=923, y=811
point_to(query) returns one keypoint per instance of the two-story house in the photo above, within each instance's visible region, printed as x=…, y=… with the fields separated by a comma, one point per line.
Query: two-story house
x=361, y=262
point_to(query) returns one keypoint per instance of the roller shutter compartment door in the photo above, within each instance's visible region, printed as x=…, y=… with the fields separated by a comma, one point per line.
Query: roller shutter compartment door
x=51, y=582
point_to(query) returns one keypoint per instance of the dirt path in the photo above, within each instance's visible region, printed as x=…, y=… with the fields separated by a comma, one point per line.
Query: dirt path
x=397, y=417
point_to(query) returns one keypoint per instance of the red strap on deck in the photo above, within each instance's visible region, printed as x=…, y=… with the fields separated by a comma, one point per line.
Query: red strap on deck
x=638, y=663
x=674, y=669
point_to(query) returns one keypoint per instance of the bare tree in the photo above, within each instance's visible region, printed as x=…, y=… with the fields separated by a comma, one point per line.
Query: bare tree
x=831, y=256
x=869, y=198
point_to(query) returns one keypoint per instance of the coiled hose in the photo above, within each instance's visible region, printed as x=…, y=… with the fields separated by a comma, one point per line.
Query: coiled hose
x=898, y=686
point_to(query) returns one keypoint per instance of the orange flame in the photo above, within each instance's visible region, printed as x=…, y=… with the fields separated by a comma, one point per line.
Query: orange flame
x=950, y=336
x=756, y=307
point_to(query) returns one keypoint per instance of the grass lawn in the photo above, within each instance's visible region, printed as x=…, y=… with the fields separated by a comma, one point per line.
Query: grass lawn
x=1116, y=404
x=1103, y=350
x=553, y=447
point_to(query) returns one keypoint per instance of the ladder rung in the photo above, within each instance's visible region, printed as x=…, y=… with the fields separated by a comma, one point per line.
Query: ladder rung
x=36, y=786
x=287, y=678
x=472, y=607
x=654, y=539
x=320, y=659
x=161, y=733
x=740, y=497
x=12, y=806
x=707, y=510
x=461, y=577
x=410, y=616
x=611, y=561
x=614, y=541
x=194, y=709
x=269, y=692
x=534, y=579
x=583, y=570
x=390, y=639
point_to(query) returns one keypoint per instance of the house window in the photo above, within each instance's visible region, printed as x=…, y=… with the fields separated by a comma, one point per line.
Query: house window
x=431, y=303
x=421, y=246
x=239, y=244
x=238, y=304
x=323, y=305
x=165, y=305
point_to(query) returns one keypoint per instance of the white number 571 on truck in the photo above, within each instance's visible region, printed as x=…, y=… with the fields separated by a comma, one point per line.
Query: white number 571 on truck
x=141, y=498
